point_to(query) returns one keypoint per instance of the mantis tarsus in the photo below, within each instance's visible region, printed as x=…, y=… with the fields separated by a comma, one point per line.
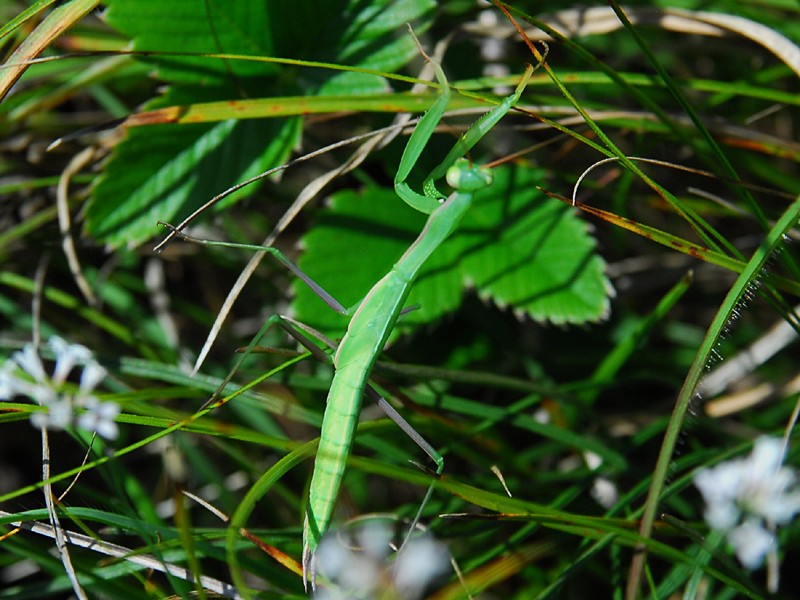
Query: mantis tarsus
x=375, y=316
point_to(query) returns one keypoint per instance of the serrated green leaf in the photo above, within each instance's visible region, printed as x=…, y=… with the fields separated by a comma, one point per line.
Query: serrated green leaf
x=516, y=248
x=539, y=258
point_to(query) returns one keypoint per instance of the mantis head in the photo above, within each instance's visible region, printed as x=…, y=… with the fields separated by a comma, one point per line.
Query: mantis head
x=466, y=178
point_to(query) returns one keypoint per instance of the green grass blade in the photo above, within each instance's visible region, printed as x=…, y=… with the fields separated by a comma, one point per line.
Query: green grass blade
x=745, y=280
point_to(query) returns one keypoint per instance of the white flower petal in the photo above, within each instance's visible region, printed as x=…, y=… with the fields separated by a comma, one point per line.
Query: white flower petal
x=720, y=484
x=766, y=457
x=61, y=413
x=751, y=543
x=592, y=459
x=722, y=515
x=604, y=491
x=107, y=429
x=756, y=485
x=769, y=490
x=67, y=356
x=9, y=386
x=719, y=487
x=58, y=415
x=338, y=560
x=30, y=362
x=92, y=375
x=40, y=420
x=99, y=417
x=375, y=539
x=420, y=562
x=362, y=576
x=358, y=569
x=108, y=410
x=332, y=557
x=42, y=394
x=783, y=509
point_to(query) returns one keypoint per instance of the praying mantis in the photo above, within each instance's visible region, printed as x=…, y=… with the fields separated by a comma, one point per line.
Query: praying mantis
x=372, y=320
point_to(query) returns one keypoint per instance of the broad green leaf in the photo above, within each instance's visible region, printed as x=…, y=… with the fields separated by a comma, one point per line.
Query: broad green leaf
x=380, y=23
x=164, y=173
x=199, y=26
x=515, y=248
x=370, y=35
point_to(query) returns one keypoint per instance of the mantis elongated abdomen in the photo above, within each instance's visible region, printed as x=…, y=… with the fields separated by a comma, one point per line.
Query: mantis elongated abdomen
x=366, y=335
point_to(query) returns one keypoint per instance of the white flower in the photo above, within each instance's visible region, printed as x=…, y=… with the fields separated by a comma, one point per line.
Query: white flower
x=604, y=491
x=99, y=417
x=747, y=498
x=49, y=393
x=358, y=566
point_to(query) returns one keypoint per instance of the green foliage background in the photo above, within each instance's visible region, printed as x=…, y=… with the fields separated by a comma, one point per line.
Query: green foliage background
x=518, y=357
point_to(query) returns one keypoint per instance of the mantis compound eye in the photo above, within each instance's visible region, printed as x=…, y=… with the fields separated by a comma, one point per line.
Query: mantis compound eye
x=465, y=178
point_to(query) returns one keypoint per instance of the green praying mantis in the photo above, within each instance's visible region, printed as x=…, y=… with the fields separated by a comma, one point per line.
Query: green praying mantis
x=373, y=319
